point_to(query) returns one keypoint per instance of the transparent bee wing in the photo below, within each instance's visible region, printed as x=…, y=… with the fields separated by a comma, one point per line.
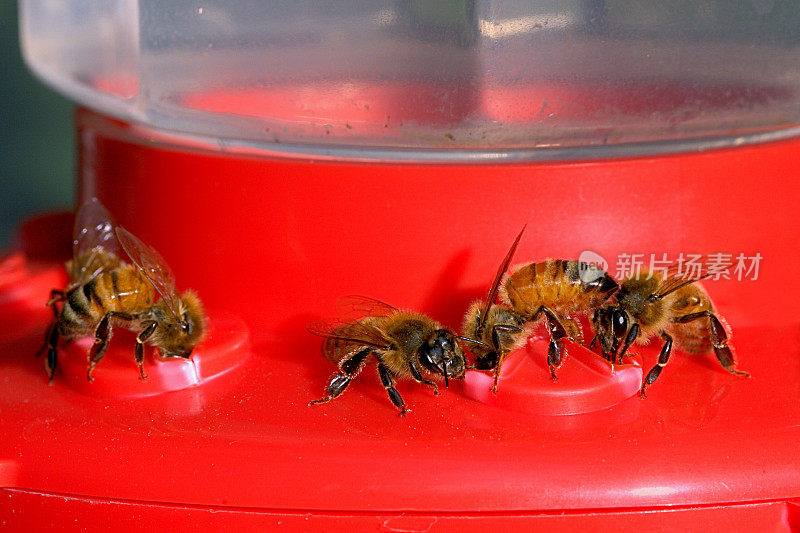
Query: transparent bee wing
x=94, y=227
x=94, y=245
x=670, y=285
x=678, y=275
x=153, y=266
x=355, y=333
x=353, y=307
x=495, y=286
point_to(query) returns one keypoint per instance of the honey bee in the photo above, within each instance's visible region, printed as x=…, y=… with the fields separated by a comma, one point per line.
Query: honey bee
x=105, y=291
x=673, y=307
x=497, y=328
x=556, y=289
x=405, y=344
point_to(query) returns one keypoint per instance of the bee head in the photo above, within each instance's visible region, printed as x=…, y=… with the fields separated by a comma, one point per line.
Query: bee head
x=441, y=354
x=611, y=326
x=178, y=337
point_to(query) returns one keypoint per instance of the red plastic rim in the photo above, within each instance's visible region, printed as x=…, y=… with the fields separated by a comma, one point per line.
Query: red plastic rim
x=225, y=348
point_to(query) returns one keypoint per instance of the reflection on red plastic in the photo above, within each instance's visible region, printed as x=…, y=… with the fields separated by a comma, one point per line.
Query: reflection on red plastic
x=539, y=103
x=226, y=347
x=120, y=84
x=357, y=109
x=586, y=382
x=366, y=104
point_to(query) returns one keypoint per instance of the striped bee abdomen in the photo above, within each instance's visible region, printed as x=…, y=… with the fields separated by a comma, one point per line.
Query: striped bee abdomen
x=564, y=286
x=122, y=290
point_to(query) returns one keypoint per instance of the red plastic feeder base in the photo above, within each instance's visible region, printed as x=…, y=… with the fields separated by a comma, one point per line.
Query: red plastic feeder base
x=586, y=382
x=225, y=348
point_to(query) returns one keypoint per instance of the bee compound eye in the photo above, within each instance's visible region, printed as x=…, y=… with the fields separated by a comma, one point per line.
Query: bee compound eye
x=432, y=357
x=620, y=322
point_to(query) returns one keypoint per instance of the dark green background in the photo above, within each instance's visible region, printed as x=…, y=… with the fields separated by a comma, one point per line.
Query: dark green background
x=37, y=142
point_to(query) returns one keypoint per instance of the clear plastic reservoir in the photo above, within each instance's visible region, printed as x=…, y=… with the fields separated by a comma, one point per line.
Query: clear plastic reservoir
x=430, y=79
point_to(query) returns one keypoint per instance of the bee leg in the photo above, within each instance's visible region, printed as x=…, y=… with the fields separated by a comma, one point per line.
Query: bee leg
x=348, y=369
x=497, y=368
x=139, y=354
x=388, y=384
x=56, y=296
x=500, y=355
x=51, y=337
x=555, y=356
x=102, y=336
x=663, y=357
x=336, y=387
x=555, y=352
x=632, y=334
x=719, y=340
x=50, y=343
x=417, y=375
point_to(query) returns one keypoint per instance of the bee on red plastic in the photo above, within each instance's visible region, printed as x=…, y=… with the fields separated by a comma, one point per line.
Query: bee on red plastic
x=405, y=344
x=557, y=290
x=105, y=292
x=670, y=306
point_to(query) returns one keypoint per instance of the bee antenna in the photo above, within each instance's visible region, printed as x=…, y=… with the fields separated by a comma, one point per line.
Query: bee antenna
x=473, y=341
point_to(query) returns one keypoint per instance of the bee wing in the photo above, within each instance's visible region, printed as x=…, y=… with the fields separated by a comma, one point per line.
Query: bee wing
x=94, y=229
x=353, y=307
x=495, y=286
x=675, y=277
x=356, y=333
x=672, y=284
x=153, y=266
